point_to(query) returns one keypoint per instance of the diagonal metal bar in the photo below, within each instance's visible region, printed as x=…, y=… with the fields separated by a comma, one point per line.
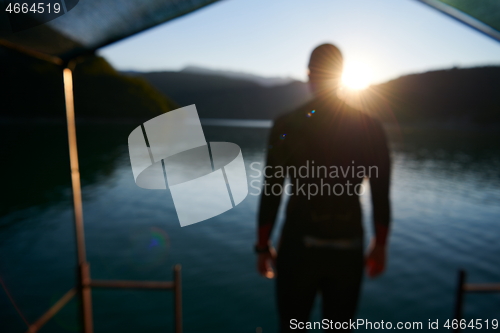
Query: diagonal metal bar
x=52, y=311
x=30, y=52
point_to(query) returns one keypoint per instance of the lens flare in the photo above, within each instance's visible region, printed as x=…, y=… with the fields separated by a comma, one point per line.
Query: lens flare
x=149, y=248
x=356, y=76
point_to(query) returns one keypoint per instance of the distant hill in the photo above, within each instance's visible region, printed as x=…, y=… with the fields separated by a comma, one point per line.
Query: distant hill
x=218, y=96
x=263, y=81
x=453, y=96
x=33, y=88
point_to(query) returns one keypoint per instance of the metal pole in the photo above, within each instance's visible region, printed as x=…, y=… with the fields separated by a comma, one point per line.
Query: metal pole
x=482, y=287
x=83, y=266
x=459, y=298
x=177, y=299
x=132, y=284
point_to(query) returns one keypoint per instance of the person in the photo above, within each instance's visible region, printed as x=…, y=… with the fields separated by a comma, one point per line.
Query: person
x=319, y=156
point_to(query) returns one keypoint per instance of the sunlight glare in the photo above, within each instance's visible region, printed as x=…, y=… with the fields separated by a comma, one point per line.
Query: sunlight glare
x=356, y=76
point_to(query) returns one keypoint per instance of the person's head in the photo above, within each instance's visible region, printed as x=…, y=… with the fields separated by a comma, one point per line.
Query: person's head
x=325, y=70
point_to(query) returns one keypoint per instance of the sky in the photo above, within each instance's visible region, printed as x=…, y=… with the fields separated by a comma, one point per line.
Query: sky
x=275, y=37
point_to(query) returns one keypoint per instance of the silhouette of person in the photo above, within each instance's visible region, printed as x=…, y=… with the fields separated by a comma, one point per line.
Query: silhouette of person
x=326, y=149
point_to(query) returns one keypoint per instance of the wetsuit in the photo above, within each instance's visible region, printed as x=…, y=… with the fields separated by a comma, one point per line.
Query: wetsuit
x=321, y=246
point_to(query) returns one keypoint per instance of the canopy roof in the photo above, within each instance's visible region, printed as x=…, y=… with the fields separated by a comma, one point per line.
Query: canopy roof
x=482, y=15
x=86, y=25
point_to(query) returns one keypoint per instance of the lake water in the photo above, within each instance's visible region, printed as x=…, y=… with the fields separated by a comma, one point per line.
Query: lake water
x=445, y=194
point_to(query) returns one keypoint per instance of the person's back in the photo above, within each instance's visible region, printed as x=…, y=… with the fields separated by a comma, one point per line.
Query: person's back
x=326, y=148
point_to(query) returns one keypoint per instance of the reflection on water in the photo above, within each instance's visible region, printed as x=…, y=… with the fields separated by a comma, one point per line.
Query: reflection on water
x=446, y=189
x=36, y=163
x=237, y=123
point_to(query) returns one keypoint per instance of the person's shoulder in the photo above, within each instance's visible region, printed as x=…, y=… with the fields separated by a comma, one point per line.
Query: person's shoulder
x=362, y=117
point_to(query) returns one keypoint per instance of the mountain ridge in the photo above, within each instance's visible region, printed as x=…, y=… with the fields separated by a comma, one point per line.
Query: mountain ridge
x=31, y=88
x=453, y=96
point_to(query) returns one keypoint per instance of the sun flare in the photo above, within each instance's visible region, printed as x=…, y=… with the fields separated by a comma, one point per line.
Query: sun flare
x=356, y=76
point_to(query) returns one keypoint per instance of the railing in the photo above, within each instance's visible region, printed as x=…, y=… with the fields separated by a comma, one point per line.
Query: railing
x=463, y=287
x=175, y=285
x=84, y=281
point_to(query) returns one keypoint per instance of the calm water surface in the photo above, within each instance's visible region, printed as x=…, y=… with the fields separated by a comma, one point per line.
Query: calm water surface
x=445, y=193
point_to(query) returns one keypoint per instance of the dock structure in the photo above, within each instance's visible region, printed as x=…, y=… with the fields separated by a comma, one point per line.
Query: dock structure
x=85, y=283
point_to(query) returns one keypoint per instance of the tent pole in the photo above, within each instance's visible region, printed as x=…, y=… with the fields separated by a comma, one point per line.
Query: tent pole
x=83, y=266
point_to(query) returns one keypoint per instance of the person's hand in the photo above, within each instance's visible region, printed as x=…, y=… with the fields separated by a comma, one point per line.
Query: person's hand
x=375, y=260
x=266, y=263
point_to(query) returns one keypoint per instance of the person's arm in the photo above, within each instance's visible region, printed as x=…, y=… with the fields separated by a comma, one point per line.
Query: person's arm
x=269, y=203
x=380, y=186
